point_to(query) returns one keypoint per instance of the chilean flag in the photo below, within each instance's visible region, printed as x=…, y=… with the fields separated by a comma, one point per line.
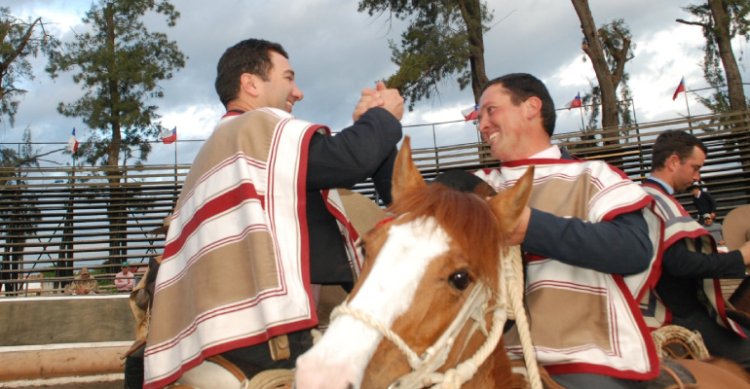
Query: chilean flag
x=470, y=113
x=680, y=88
x=576, y=102
x=72, y=146
x=167, y=136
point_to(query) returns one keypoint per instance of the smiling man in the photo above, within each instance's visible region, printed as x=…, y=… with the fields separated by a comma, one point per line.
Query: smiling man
x=259, y=222
x=585, y=239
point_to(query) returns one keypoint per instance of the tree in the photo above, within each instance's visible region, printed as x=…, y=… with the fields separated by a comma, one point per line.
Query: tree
x=19, y=212
x=20, y=40
x=445, y=38
x=119, y=64
x=722, y=20
x=611, y=36
x=609, y=48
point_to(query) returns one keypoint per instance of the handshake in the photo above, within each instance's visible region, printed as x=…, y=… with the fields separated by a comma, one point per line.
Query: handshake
x=386, y=98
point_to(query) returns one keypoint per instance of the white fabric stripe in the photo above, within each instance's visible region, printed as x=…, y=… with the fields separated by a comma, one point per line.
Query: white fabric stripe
x=629, y=352
x=226, y=327
x=282, y=208
x=637, y=283
x=356, y=258
x=224, y=228
x=236, y=170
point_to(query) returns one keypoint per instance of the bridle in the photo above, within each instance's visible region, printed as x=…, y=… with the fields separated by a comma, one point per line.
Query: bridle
x=424, y=367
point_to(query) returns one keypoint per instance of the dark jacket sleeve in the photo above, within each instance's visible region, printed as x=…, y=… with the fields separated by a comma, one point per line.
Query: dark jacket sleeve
x=366, y=149
x=619, y=246
x=680, y=262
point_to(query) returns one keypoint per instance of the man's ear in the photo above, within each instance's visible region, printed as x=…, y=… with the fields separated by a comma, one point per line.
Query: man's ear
x=533, y=107
x=673, y=162
x=250, y=84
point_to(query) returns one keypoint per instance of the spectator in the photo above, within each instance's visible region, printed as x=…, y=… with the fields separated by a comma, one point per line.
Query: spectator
x=84, y=283
x=125, y=279
x=703, y=201
x=713, y=227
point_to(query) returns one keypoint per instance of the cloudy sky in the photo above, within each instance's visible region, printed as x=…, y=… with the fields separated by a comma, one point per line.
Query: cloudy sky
x=337, y=51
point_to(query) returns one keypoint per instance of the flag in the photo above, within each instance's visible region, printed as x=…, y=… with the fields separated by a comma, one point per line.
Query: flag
x=470, y=113
x=576, y=102
x=167, y=136
x=680, y=88
x=72, y=146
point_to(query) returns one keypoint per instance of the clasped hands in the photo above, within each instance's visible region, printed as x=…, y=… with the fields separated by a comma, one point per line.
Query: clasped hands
x=387, y=98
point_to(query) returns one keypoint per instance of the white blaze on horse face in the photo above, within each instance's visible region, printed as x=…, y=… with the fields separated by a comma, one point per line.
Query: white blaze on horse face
x=342, y=354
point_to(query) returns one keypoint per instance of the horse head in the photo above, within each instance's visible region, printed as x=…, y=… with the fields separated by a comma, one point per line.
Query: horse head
x=428, y=295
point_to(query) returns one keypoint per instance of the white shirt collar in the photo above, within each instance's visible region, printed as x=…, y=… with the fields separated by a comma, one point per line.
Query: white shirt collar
x=552, y=152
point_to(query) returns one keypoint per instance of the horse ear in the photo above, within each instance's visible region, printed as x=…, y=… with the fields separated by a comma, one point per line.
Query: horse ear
x=509, y=204
x=406, y=176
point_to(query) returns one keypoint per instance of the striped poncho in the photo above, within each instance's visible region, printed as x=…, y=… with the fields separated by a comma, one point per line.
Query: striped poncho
x=235, y=268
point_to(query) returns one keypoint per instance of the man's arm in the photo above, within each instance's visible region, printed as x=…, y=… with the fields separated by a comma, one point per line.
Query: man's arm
x=619, y=246
x=680, y=262
x=366, y=149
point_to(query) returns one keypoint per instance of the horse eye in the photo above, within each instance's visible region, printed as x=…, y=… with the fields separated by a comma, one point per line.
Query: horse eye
x=460, y=279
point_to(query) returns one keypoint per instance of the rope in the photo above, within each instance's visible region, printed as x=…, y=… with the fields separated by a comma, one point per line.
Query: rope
x=344, y=308
x=515, y=289
x=424, y=374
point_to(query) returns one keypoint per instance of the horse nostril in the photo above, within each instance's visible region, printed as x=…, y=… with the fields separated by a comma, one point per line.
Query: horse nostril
x=351, y=386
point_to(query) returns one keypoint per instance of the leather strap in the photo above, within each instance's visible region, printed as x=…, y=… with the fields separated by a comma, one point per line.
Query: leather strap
x=279, y=347
x=228, y=366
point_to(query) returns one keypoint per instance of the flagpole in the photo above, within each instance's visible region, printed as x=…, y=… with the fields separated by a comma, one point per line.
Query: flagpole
x=175, y=163
x=687, y=106
x=580, y=110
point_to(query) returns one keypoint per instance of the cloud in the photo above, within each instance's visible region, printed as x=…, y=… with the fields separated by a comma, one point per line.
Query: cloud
x=336, y=51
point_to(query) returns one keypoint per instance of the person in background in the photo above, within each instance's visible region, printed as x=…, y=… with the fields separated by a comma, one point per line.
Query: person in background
x=125, y=279
x=259, y=222
x=713, y=227
x=688, y=293
x=84, y=283
x=703, y=201
x=585, y=230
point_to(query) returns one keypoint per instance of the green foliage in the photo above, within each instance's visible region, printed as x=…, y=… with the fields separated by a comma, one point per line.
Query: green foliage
x=435, y=46
x=26, y=213
x=617, y=43
x=713, y=68
x=19, y=40
x=26, y=156
x=618, y=48
x=119, y=64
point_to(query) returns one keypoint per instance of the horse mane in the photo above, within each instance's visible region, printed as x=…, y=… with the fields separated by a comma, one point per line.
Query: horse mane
x=466, y=217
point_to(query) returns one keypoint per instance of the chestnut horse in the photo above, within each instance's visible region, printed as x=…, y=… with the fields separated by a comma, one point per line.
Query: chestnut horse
x=431, y=286
x=442, y=245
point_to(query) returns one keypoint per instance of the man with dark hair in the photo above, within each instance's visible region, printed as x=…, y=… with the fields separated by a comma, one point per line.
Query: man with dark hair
x=259, y=222
x=688, y=291
x=703, y=201
x=585, y=239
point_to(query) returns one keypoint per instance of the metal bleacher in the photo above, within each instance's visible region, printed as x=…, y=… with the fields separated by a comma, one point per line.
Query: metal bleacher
x=56, y=220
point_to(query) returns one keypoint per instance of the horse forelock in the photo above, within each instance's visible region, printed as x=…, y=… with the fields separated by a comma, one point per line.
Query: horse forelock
x=465, y=217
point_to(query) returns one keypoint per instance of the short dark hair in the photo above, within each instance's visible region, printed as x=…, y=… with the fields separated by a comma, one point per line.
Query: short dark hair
x=521, y=86
x=674, y=142
x=249, y=56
